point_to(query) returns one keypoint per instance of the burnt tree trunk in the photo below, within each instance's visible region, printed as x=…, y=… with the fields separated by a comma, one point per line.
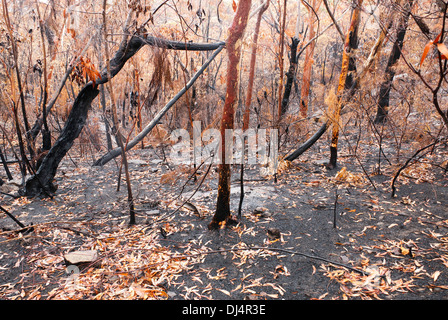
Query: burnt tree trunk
x=281, y=61
x=386, y=86
x=253, y=60
x=234, y=41
x=290, y=75
x=308, y=64
x=346, y=79
x=5, y=166
x=75, y=122
x=309, y=143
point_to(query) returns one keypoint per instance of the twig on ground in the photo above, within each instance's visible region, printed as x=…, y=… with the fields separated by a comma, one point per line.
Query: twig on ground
x=394, y=189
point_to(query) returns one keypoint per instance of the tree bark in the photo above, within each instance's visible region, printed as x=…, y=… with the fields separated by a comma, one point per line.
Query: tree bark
x=253, y=60
x=346, y=79
x=386, y=86
x=290, y=75
x=281, y=61
x=234, y=40
x=75, y=122
x=308, y=65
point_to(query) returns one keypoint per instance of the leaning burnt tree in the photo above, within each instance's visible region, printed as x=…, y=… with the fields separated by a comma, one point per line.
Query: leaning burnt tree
x=42, y=181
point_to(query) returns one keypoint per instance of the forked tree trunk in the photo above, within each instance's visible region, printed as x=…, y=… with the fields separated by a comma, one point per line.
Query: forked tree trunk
x=346, y=79
x=233, y=44
x=75, y=122
x=290, y=75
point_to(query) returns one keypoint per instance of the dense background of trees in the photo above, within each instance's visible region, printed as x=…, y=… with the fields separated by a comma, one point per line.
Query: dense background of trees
x=377, y=67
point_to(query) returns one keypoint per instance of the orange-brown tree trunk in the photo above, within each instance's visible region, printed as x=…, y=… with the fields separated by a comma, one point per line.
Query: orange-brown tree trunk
x=233, y=44
x=345, y=79
x=253, y=60
x=308, y=65
x=281, y=60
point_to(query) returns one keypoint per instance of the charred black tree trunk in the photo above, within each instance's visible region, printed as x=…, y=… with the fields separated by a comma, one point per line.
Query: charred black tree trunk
x=309, y=143
x=290, y=75
x=76, y=120
x=5, y=166
x=384, y=96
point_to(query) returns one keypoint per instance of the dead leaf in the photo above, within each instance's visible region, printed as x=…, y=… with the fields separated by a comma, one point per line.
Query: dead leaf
x=404, y=251
x=443, y=50
x=436, y=275
x=440, y=46
x=234, y=6
x=224, y=291
x=426, y=51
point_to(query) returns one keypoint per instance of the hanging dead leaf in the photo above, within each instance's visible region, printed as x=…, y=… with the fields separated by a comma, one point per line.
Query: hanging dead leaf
x=443, y=50
x=89, y=70
x=440, y=46
x=436, y=40
x=72, y=32
x=234, y=6
x=425, y=52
